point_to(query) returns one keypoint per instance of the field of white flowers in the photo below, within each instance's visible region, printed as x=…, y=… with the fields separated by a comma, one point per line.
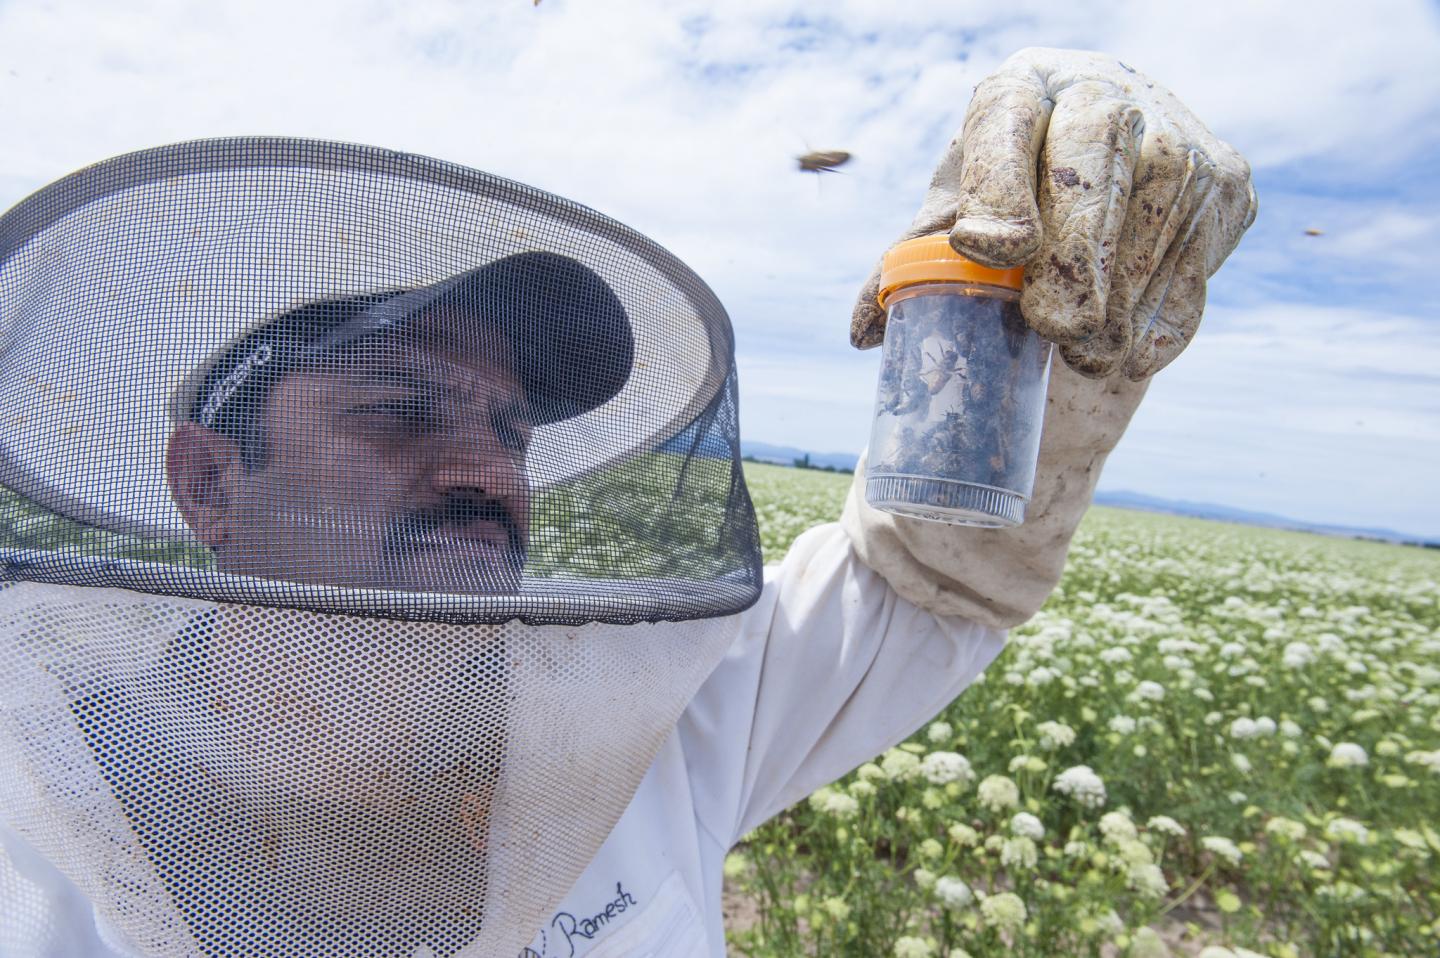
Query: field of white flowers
x=1213, y=741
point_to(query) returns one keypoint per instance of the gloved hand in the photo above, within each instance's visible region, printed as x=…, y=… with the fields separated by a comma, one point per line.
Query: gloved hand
x=1120, y=205
x=1115, y=197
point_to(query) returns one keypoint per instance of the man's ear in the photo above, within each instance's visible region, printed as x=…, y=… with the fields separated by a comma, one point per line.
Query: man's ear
x=202, y=468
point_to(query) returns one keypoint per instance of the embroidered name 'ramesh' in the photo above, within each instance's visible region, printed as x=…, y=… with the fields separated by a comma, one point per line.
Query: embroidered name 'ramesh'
x=584, y=928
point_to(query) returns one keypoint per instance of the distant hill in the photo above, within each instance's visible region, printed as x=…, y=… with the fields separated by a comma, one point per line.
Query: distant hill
x=1209, y=510
x=786, y=456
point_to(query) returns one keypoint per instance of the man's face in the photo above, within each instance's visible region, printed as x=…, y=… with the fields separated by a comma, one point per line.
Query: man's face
x=397, y=466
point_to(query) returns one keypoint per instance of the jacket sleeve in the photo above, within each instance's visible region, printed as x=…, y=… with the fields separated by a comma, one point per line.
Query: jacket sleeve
x=869, y=628
x=831, y=668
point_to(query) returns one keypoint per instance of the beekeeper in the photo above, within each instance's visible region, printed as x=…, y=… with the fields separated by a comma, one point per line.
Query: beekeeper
x=379, y=575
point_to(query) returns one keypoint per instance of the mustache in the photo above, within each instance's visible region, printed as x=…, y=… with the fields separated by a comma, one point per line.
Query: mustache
x=458, y=510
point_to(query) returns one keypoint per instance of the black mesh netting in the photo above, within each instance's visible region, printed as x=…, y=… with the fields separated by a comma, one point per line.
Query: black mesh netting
x=343, y=379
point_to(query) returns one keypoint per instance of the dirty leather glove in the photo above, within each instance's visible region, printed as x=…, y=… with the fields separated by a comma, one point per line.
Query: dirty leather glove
x=1115, y=197
x=1120, y=204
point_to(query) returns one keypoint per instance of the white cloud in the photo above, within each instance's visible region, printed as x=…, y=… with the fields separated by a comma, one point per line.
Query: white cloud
x=1316, y=412
x=682, y=118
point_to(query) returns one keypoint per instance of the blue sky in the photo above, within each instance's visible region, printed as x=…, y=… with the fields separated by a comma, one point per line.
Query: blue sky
x=1313, y=389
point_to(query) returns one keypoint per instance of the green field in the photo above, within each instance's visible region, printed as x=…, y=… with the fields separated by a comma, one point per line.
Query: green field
x=1255, y=720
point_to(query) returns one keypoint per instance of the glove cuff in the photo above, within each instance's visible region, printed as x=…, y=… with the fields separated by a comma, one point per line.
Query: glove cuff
x=1001, y=577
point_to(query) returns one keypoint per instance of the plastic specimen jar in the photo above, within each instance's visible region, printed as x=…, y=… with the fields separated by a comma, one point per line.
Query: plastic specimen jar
x=962, y=390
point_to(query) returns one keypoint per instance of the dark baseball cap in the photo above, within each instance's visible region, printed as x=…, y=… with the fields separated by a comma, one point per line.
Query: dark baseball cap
x=552, y=320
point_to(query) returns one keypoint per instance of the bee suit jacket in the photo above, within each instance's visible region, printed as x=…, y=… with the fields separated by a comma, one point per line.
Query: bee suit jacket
x=864, y=632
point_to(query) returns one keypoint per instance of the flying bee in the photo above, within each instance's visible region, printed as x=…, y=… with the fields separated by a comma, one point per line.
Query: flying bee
x=822, y=161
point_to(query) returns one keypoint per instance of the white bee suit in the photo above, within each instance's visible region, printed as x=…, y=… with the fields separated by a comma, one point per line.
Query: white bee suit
x=829, y=668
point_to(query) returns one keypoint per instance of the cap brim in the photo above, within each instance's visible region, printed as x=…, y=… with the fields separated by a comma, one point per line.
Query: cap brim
x=569, y=340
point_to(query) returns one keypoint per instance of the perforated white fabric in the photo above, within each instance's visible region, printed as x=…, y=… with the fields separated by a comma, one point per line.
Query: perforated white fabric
x=235, y=780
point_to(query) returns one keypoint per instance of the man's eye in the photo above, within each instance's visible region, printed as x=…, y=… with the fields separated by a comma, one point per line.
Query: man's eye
x=407, y=412
x=511, y=436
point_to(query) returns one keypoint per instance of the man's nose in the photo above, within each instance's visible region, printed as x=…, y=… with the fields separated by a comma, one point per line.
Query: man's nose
x=482, y=478
x=474, y=463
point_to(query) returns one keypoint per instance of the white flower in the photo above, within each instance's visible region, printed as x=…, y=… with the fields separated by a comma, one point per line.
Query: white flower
x=1117, y=827
x=911, y=947
x=1115, y=656
x=1134, y=852
x=1222, y=847
x=1121, y=724
x=1347, y=830
x=1286, y=828
x=836, y=908
x=1166, y=825
x=862, y=788
x=1041, y=675
x=1005, y=911
x=939, y=732
x=1297, y=655
x=942, y=768
x=1243, y=728
x=1231, y=650
x=1215, y=951
x=1147, y=943
x=1430, y=760
x=831, y=802
x=963, y=835
x=1027, y=763
x=1082, y=784
x=1026, y=825
x=1347, y=755
x=953, y=893
x=1019, y=853
x=870, y=772
x=1147, y=880
x=1148, y=691
x=1241, y=763
x=924, y=878
x=1289, y=729
x=1313, y=860
x=899, y=764
x=1055, y=735
x=998, y=793
x=958, y=953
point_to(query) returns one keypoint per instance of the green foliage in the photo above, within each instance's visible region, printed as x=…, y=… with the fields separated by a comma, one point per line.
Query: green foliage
x=24, y=525
x=1258, y=717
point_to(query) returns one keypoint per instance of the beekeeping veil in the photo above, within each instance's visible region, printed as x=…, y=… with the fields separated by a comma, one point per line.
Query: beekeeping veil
x=350, y=499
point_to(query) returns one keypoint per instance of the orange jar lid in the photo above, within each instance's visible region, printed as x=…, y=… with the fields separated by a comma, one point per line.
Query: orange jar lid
x=930, y=259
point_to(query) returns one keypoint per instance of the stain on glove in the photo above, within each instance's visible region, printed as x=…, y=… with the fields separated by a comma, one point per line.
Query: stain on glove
x=1117, y=200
